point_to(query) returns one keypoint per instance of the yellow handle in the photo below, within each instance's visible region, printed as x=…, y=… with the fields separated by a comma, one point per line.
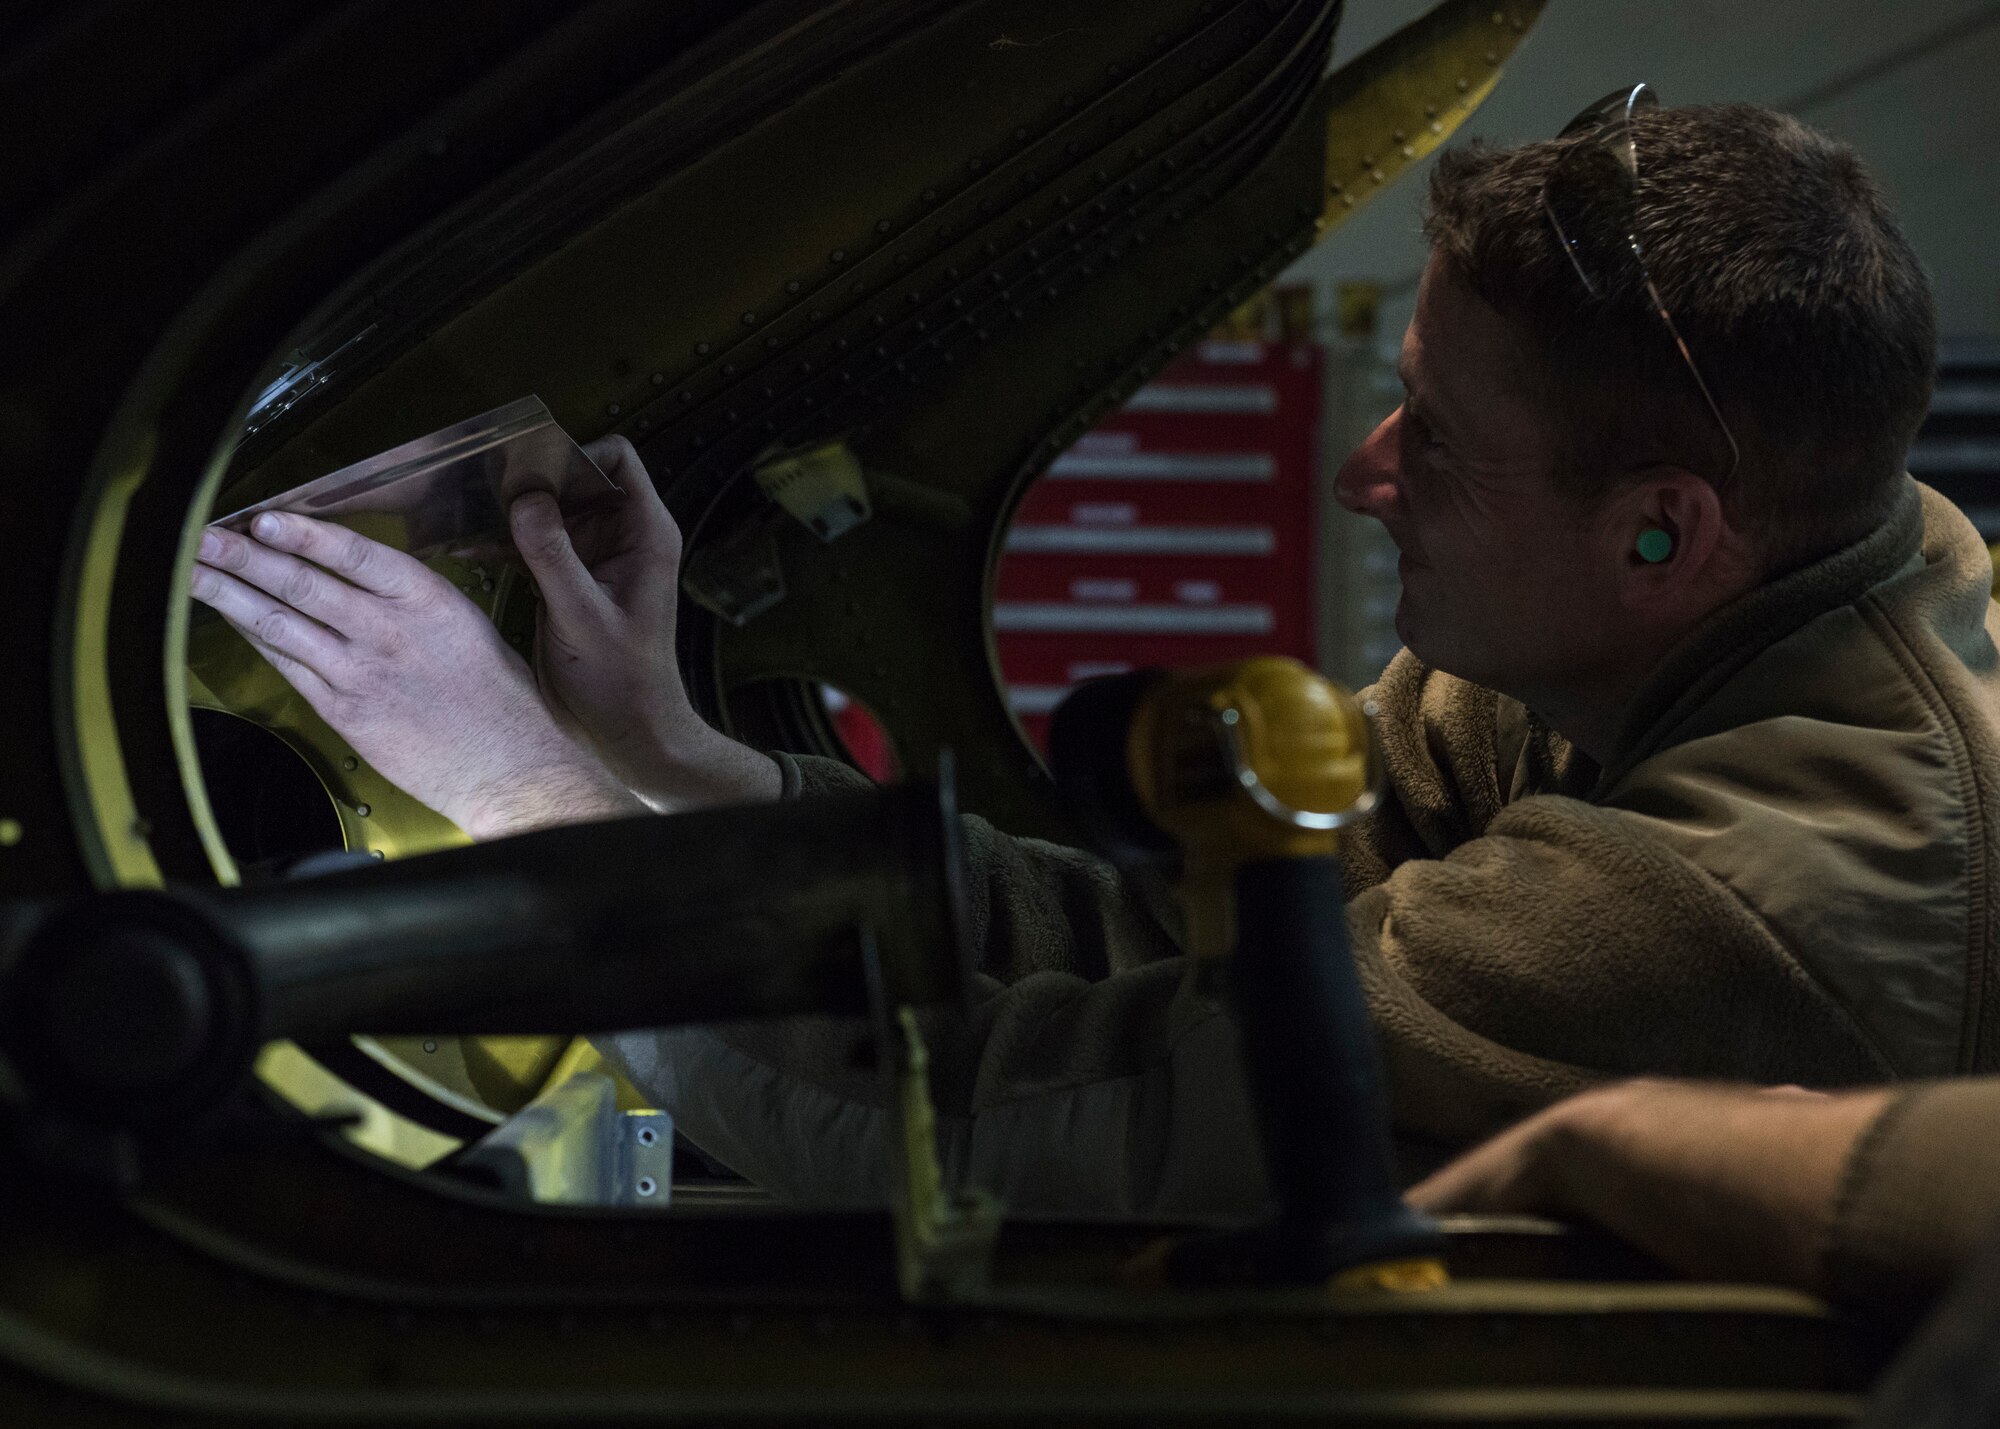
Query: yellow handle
x=1259, y=759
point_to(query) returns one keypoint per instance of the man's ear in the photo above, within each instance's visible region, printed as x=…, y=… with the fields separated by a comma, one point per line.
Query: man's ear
x=1679, y=549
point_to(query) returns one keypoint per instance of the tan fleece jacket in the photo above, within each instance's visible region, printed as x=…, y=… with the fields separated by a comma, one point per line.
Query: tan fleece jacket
x=1920, y=1196
x=1782, y=875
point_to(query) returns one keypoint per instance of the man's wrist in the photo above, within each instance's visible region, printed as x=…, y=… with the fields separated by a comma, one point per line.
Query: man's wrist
x=569, y=790
x=702, y=768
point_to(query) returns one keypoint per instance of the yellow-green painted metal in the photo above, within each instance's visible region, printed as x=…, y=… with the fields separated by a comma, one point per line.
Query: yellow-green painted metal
x=412, y=242
x=1392, y=106
x=312, y=1288
x=894, y=611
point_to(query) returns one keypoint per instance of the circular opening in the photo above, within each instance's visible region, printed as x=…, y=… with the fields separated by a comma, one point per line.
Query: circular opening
x=268, y=804
x=863, y=737
x=1178, y=532
x=805, y=717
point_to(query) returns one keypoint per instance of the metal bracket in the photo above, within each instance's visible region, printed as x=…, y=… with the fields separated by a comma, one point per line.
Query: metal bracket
x=573, y=1146
x=944, y=1234
x=822, y=486
x=738, y=576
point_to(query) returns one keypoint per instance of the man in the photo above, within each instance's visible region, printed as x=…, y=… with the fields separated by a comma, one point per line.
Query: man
x=1692, y=749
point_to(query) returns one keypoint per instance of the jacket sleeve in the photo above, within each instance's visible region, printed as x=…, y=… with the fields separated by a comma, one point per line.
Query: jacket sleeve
x=1033, y=906
x=1920, y=1195
x=1511, y=953
x=1567, y=943
x=1091, y=1076
x=1063, y=1096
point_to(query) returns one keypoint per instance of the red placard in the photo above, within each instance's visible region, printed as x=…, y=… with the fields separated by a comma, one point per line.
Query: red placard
x=1178, y=532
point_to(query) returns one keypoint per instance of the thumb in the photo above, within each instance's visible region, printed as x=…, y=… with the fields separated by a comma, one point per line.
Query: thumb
x=543, y=541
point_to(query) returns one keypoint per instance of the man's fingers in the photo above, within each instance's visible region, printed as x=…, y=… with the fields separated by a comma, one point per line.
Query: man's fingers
x=303, y=678
x=618, y=459
x=543, y=541
x=348, y=554
x=269, y=624
x=1449, y=1188
x=644, y=516
x=292, y=581
x=1500, y=1175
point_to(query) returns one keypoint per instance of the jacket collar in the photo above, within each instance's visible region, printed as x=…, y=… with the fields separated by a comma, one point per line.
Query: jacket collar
x=1721, y=646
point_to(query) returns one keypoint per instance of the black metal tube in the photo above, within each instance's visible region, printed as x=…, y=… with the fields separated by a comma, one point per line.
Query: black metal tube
x=708, y=916
x=727, y=913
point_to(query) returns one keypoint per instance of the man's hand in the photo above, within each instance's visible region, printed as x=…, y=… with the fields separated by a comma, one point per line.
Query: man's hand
x=604, y=652
x=406, y=670
x=1722, y=1182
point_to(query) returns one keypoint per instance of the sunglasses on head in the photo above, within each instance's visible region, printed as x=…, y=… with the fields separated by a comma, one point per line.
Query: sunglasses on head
x=1604, y=169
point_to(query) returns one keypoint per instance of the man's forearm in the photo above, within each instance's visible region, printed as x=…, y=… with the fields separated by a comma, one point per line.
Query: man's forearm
x=1724, y=1183
x=703, y=769
x=1728, y=1183
x=570, y=792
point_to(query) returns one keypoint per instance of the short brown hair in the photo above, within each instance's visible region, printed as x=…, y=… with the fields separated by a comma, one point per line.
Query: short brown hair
x=1775, y=250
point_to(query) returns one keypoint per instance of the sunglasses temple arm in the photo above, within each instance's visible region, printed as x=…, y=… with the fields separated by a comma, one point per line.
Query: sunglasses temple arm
x=1568, y=248
x=1660, y=307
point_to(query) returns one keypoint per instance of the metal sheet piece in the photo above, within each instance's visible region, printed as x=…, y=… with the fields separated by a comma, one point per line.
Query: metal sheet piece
x=447, y=494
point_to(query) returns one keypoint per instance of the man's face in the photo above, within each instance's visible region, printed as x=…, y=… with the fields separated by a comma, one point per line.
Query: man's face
x=1506, y=582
